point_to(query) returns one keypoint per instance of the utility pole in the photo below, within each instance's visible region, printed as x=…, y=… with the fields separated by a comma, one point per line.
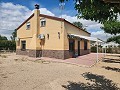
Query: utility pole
x=61, y=7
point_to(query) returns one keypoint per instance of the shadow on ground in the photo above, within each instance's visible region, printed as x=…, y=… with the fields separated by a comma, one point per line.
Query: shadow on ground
x=111, y=61
x=112, y=68
x=98, y=83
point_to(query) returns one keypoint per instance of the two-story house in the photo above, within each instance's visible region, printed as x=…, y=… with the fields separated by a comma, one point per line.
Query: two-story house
x=48, y=36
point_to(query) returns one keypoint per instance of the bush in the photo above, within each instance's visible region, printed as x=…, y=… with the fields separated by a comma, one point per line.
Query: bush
x=7, y=45
x=94, y=49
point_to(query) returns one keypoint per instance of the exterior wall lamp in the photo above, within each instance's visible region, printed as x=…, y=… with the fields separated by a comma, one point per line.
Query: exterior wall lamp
x=47, y=36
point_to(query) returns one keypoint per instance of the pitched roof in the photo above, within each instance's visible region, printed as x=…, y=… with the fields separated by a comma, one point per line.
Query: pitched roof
x=51, y=17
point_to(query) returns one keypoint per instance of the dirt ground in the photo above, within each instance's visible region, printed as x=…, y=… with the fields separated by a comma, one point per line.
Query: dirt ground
x=19, y=73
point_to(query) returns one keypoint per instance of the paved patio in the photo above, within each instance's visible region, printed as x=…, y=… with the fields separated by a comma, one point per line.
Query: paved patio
x=85, y=60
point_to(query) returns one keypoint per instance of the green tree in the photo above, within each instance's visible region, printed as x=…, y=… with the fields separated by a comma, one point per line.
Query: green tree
x=112, y=27
x=97, y=10
x=115, y=39
x=3, y=38
x=6, y=44
x=12, y=44
x=14, y=35
x=78, y=24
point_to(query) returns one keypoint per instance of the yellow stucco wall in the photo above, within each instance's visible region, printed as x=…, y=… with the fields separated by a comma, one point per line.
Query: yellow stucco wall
x=52, y=28
x=74, y=30
x=23, y=32
x=69, y=29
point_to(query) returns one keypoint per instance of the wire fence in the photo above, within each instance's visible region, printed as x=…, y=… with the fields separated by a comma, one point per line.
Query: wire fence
x=112, y=50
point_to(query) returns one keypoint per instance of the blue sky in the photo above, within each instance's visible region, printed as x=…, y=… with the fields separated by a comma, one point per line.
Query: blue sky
x=52, y=5
x=14, y=12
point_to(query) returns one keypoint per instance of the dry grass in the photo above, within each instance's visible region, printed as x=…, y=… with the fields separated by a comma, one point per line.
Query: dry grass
x=21, y=59
x=3, y=56
x=42, y=61
x=16, y=59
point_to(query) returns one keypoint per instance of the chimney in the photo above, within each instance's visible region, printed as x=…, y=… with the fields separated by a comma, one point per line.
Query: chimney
x=35, y=43
x=36, y=6
x=36, y=19
x=36, y=11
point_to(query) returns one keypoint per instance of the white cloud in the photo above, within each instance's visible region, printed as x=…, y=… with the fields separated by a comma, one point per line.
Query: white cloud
x=94, y=27
x=12, y=15
x=101, y=35
x=74, y=19
x=45, y=11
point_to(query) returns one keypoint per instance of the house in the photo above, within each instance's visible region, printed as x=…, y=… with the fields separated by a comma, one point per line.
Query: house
x=48, y=36
x=110, y=44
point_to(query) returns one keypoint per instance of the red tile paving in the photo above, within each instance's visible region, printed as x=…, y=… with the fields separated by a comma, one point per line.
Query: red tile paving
x=85, y=60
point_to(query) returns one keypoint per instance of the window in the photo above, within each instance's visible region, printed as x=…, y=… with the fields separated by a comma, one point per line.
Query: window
x=28, y=25
x=85, y=45
x=23, y=45
x=43, y=22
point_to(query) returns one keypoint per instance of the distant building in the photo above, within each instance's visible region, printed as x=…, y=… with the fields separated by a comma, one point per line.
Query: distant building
x=110, y=44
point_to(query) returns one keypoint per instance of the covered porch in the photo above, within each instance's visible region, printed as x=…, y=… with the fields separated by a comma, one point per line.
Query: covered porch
x=80, y=45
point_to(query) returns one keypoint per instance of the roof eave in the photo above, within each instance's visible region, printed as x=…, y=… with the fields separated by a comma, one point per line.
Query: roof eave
x=25, y=21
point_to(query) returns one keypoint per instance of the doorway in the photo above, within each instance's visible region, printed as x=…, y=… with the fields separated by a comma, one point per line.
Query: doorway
x=78, y=48
x=72, y=47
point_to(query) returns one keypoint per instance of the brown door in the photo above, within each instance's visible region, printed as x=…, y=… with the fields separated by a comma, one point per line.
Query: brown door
x=72, y=47
x=78, y=48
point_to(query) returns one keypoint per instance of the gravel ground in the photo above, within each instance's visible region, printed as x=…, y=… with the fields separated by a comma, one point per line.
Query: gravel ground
x=19, y=73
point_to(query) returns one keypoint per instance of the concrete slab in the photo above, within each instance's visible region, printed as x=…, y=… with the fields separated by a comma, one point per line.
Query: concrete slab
x=84, y=61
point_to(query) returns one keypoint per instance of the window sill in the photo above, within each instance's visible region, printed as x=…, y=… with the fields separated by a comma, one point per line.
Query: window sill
x=42, y=26
x=28, y=29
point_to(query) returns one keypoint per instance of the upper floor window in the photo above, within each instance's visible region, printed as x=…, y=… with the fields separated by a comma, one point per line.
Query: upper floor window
x=42, y=22
x=85, y=45
x=28, y=25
